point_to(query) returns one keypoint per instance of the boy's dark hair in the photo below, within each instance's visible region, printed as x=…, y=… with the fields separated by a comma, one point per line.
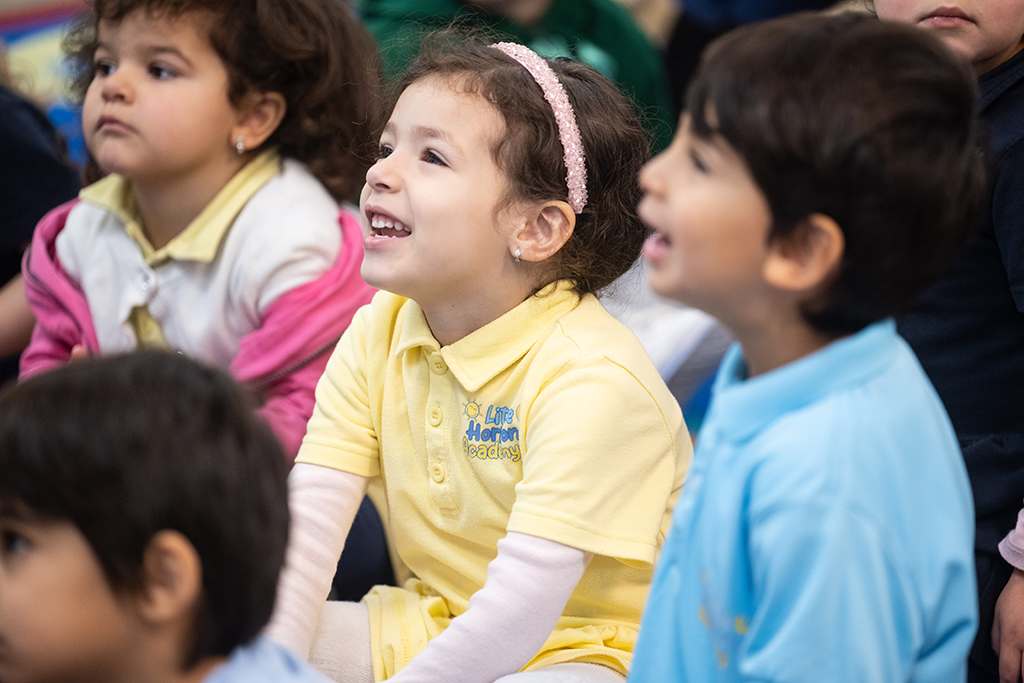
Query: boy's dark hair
x=124, y=447
x=870, y=123
x=314, y=52
x=608, y=234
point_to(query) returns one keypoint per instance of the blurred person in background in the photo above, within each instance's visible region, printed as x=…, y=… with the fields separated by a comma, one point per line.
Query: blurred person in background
x=600, y=33
x=35, y=176
x=701, y=21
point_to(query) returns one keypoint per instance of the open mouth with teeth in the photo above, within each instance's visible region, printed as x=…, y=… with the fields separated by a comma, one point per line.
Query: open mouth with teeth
x=386, y=226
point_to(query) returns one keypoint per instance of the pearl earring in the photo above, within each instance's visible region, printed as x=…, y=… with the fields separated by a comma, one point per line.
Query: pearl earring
x=240, y=144
x=516, y=254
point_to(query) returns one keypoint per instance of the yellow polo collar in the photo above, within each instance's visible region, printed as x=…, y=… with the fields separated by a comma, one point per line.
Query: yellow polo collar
x=200, y=240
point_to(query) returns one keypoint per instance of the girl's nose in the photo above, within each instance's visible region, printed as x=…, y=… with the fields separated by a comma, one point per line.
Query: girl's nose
x=116, y=86
x=382, y=176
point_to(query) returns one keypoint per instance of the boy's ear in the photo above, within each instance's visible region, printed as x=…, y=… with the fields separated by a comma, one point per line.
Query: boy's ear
x=806, y=258
x=258, y=117
x=545, y=230
x=172, y=578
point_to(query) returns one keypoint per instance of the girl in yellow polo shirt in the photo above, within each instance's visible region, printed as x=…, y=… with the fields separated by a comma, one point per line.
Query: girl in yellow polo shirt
x=529, y=452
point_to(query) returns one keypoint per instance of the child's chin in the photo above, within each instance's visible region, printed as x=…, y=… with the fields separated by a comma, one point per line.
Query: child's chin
x=661, y=284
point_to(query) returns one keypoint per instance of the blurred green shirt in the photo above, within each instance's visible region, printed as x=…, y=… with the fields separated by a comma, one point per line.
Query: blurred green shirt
x=598, y=32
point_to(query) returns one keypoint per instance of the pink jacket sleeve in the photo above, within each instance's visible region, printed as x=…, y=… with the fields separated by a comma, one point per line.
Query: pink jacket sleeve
x=63, y=320
x=283, y=359
x=1012, y=546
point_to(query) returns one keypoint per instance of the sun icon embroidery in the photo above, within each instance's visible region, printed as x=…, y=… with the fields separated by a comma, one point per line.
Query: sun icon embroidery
x=472, y=410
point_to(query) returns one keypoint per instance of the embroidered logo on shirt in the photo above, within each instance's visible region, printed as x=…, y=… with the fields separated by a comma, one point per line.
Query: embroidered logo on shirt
x=727, y=632
x=496, y=437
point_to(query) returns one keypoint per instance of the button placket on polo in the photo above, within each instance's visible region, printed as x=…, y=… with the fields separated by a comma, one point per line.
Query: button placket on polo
x=139, y=291
x=438, y=432
x=437, y=364
x=149, y=286
x=161, y=288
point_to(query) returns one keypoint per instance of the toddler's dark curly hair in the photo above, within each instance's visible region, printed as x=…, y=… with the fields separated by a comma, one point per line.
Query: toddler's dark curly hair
x=314, y=52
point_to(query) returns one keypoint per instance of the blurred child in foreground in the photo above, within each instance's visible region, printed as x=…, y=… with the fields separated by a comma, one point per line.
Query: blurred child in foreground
x=143, y=520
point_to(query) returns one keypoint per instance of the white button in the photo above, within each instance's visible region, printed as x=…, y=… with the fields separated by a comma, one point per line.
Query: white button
x=437, y=472
x=435, y=416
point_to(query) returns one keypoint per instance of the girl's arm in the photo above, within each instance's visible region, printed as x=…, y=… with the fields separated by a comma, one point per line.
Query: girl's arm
x=528, y=585
x=16, y=318
x=323, y=502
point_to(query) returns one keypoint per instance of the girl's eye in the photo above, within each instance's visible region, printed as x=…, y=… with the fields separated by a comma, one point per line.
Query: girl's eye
x=698, y=161
x=103, y=68
x=383, y=151
x=161, y=73
x=12, y=543
x=432, y=158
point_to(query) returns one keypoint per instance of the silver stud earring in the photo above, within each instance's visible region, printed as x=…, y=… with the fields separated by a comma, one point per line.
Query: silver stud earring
x=240, y=144
x=516, y=254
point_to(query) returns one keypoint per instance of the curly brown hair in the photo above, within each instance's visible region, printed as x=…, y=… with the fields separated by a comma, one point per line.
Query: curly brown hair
x=314, y=52
x=609, y=234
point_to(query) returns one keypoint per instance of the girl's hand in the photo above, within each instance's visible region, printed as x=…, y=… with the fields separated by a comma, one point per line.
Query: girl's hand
x=78, y=352
x=1008, y=629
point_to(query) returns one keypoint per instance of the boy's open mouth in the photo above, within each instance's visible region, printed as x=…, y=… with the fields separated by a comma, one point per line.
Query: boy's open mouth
x=660, y=238
x=386, y=226
x=656, y=247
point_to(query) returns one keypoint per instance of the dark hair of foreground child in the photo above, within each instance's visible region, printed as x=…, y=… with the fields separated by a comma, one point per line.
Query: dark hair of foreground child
x=126, y=449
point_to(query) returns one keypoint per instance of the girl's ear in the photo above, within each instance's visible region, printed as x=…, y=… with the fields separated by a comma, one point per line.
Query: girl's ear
x=172, y=579
x=806, y=259
x=546, y=230
x=258, y=118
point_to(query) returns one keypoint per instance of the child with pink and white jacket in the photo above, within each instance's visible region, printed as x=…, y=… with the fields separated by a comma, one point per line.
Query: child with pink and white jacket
x=229, y=131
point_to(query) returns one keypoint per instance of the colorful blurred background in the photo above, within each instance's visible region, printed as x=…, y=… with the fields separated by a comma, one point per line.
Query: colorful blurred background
x=30, y=32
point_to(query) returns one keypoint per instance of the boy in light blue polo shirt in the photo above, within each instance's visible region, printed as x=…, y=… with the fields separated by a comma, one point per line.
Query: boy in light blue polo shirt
x=824, y=174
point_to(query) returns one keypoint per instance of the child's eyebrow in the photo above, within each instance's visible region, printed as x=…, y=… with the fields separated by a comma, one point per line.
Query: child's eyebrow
x=428, y=133
x=152, y=51
x=433, y=133
x=155, y=50
x=16, y=512
x=425, y=132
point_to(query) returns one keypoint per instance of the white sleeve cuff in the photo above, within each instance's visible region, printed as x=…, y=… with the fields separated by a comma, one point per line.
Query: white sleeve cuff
x=528, y=585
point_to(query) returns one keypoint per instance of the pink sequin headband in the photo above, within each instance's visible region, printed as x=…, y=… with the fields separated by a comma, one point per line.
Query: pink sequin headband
x=568, y=131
